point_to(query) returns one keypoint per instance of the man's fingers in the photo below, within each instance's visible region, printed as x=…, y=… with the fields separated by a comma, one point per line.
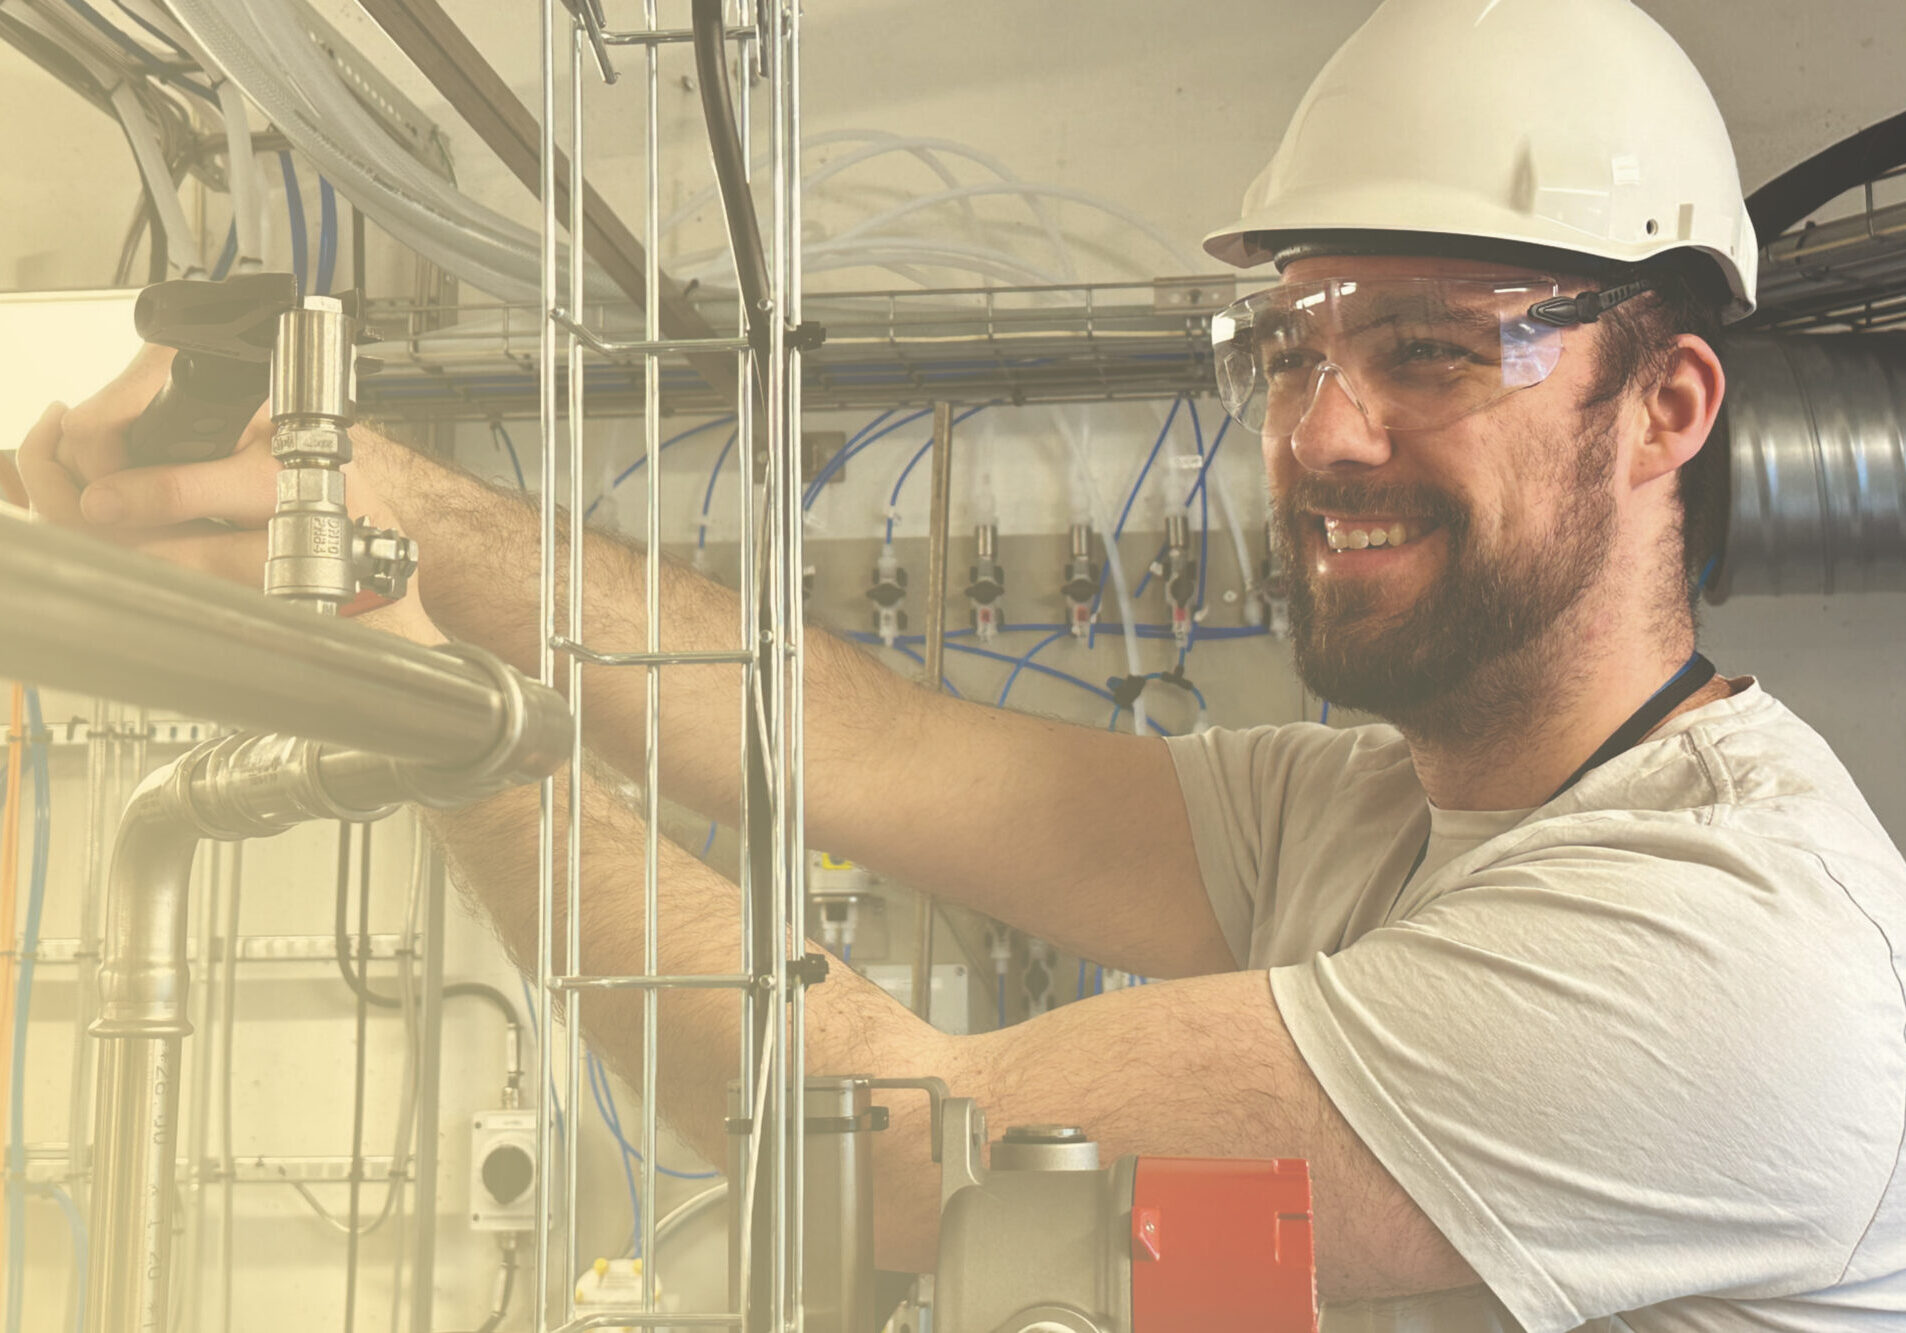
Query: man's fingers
x=240, y=488
x=94, y=443
x=50, y=490
x=12, y=489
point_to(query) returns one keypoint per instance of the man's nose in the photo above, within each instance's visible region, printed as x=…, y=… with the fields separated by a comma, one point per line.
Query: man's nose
x=1338, y=426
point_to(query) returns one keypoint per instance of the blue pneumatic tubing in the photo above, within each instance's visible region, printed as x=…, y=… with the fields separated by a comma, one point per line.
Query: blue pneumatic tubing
x=227, y=255
x=327, y=235
x=1026, y=661
x=872, y=431
x=529, y=1003
x=893, y=500
x=669, y=443
x=77, y=1226
x=502, y=437
x=714, y=475
x=294, y=212
x=613, y=1123
x=612, y=1118
x=1111, y=553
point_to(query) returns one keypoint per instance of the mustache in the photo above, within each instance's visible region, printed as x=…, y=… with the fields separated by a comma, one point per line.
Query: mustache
x=1344, y=496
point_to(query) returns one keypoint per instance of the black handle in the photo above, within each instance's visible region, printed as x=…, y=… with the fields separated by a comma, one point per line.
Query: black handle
x=204, y=407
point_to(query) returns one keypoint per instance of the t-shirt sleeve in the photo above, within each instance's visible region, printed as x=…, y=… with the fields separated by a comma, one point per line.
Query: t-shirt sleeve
x=1614, y=1075
x=1219, y=775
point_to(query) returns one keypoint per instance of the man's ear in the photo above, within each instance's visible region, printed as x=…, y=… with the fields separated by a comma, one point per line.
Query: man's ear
x=1679, y=410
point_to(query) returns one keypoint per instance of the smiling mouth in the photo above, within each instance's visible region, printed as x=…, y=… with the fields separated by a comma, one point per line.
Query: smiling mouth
x=1374, y=533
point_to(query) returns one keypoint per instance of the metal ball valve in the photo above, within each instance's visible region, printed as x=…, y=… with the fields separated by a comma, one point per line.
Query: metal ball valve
x=1047, y=1241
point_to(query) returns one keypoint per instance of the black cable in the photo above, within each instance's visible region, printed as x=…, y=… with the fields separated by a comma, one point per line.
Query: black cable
x=731, y=176
x=158, y=258
x=503, y=1298
x=346, y=950
x=1785, y=201
x=357, y=1091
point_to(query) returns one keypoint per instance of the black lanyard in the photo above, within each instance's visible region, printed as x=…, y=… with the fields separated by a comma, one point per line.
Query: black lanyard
x=1694, y=674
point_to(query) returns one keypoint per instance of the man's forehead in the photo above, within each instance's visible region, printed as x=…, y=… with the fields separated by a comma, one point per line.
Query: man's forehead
x=1319, y=268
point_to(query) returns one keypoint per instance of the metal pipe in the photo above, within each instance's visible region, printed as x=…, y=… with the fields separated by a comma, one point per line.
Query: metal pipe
x=938, y=532
x=430, y=1082
x=938, y=536
x=1813, y=425
x=142, y=980
x=652, y=627
x=232, y=788
x=546, y=400
x=92, y=618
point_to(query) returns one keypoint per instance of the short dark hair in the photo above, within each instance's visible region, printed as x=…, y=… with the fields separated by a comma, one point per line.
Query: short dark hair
x=1634, y=349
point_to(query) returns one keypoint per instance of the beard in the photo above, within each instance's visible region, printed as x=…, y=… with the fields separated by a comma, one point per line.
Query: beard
x=1468, y=657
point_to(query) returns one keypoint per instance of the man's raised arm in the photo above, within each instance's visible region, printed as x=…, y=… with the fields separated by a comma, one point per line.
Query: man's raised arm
x=1074, y=834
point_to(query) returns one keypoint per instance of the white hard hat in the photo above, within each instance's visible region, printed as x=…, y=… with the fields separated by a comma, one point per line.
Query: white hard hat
x=1566, y=125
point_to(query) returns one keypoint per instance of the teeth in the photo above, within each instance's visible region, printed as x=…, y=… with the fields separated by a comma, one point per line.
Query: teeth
x=1342, y=537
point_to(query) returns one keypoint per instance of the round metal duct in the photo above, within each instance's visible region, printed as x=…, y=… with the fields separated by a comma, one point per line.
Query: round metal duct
x=1817, y=430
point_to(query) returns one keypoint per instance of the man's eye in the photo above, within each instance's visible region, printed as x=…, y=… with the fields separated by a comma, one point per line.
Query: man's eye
x=1288, y=363
x=1422, y=351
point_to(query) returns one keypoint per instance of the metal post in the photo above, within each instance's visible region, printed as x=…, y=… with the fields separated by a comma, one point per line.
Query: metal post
x=429, y=1084
x=546, y=622
x=573, y=456
x=652, y=617
x=938, y=534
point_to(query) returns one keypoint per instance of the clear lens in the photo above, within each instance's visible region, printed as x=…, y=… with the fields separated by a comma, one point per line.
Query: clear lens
x=1414, y=353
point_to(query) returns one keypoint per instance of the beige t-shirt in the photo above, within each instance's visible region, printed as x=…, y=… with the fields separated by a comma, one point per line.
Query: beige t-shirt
x=1639, y=1053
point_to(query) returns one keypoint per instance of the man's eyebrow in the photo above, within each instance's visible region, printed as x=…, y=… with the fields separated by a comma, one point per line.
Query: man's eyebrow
x=1465, y=317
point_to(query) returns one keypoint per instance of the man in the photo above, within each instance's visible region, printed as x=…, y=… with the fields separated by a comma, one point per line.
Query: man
x=1582, y=998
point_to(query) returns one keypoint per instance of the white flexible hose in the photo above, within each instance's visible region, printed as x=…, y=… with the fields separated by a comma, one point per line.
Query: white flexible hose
x=929, y=151
x=267, y=54
x=931, y=253
x=882, y=252
x=1020, y=188
x=1080, y=443
x=182, y=246
x=241, y=174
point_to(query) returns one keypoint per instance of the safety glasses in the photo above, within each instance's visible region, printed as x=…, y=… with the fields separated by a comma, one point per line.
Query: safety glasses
x=1410, y=353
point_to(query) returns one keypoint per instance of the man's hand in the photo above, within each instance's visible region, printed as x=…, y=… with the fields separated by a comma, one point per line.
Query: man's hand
x=209, y=516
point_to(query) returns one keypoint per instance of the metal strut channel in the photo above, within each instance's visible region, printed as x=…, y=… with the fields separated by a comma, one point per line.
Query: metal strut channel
x=438, y=47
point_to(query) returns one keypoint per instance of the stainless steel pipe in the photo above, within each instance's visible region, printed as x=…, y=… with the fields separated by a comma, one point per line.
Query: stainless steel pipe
x=1815, y=425
x=232, y=788
x=90, y=617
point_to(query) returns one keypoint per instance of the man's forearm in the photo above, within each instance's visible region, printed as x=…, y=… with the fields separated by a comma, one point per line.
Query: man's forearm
x=1074, y=834
x=853, y=1026
x=479, y=549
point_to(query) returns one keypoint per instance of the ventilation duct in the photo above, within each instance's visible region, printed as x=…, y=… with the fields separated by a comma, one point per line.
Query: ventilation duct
x=1817, y=431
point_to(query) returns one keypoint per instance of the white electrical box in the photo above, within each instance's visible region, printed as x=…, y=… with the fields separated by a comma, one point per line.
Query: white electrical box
x=503, y=1171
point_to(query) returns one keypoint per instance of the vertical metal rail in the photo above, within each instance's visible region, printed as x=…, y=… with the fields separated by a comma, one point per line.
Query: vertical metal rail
x=938, y=535
x=780, y=462
x=429, y=1088
x=578, y=470
x=788, y=270
x=652, y=615
x=546, y=614
x=773, y=852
